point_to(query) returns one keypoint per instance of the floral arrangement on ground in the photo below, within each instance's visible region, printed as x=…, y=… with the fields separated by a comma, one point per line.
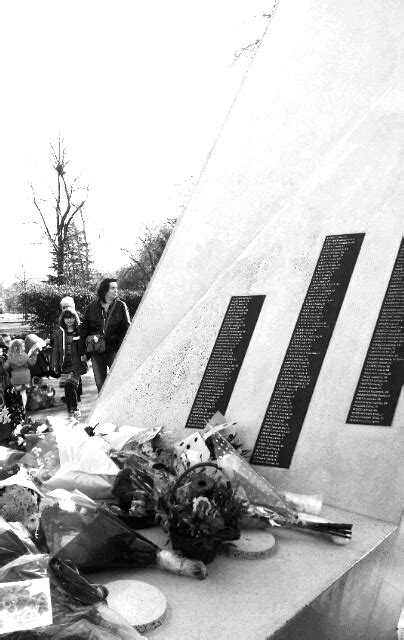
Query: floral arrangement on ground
x=201, y=510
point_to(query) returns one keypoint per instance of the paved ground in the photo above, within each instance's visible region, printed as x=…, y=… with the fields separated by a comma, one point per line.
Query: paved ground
x=86, y=405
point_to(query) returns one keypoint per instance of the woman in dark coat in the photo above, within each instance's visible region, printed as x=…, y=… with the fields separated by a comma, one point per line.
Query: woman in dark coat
x=105, y=319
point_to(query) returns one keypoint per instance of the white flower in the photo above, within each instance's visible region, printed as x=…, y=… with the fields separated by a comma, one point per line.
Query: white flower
x=229, y=465
x=201, y=505
x=4, y=415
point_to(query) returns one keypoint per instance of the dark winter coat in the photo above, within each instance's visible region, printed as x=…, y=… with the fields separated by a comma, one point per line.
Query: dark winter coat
x=4, y=377
x=93, y=323
x=58, y=351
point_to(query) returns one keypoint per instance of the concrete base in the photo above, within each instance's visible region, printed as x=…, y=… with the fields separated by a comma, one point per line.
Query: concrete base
x=309, y=589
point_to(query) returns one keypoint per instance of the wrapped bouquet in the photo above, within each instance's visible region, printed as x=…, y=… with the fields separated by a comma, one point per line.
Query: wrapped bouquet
x=76, y=529
x=266, y=504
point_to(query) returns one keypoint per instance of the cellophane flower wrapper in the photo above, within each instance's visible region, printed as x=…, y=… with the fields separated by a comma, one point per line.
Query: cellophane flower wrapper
x=15, y=541
x=67, y=457
x=74, y=528
x=91, y=536
x=152, y=447
x=266, y=503
x=72, y=607
x=157, y=448
x=258, y=489
x=9, y=461
x=42, y=455
x=138, y=487
x=228, y=430
x=120, y=437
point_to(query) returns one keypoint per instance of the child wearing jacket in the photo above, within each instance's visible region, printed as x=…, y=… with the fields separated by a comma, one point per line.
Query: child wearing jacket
x=66, y=357
x=19, y=365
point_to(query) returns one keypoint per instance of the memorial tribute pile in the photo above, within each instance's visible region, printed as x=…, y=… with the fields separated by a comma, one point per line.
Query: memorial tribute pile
x=72, y=497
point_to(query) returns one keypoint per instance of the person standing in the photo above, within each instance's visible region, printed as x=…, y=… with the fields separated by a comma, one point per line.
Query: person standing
x=5, y=341
x=105, y=323
x=66, y=358
x=19, y=365
x=66, y=303
x=10, y=399
x=4, y=377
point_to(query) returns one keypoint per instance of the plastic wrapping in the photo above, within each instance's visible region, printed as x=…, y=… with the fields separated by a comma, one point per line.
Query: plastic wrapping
x=14, y=542
x=75, y=529
x=41, y=395
x=138, y=487
x=84, y=463
x=42, y=455
x=267, y=504
x=36, y=587
x=258, y=489
x=68, y=458
x=9, y=462
x=91, y=537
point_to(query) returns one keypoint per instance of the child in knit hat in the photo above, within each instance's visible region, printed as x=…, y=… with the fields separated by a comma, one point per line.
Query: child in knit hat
x=66, y=358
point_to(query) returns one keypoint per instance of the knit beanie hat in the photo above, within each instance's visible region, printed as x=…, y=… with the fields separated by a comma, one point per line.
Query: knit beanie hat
x=67, y=301
x=69, y=311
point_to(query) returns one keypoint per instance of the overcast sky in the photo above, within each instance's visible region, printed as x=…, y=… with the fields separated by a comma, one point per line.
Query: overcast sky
x=138, y=91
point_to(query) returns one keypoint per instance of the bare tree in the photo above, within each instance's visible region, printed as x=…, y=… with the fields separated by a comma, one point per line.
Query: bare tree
x=67, y=203
x=77, y=267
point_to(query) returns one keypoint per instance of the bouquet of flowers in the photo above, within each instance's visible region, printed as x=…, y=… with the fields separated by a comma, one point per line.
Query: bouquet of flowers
x=201, y=510
x=45, y=597
x=75, y=529
x=266, y=504
x=138, y=486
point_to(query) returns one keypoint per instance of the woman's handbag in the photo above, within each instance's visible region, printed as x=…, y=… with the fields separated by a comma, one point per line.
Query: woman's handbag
x=95, y=343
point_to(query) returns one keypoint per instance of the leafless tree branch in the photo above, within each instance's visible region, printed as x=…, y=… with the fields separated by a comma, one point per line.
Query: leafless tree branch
x=45, y=227
x=64, y=209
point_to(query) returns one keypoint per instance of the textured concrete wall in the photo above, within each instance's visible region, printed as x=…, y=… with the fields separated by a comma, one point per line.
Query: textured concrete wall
x=314, y=146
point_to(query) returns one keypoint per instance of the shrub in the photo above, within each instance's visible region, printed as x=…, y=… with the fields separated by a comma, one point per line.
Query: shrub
x=42, y=303
x=132, y=300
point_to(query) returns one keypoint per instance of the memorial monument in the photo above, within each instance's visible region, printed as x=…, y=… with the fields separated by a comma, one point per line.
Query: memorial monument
x=279, y=300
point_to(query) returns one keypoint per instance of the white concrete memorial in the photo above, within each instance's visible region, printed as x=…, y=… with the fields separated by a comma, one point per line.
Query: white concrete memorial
x=280, y=297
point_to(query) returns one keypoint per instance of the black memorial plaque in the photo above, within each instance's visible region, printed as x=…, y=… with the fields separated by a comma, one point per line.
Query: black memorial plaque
x=301, y=366
x=382, y=376
x=225, y=360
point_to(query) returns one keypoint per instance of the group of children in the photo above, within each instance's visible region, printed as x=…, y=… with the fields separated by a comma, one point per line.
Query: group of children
x=18, y=359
